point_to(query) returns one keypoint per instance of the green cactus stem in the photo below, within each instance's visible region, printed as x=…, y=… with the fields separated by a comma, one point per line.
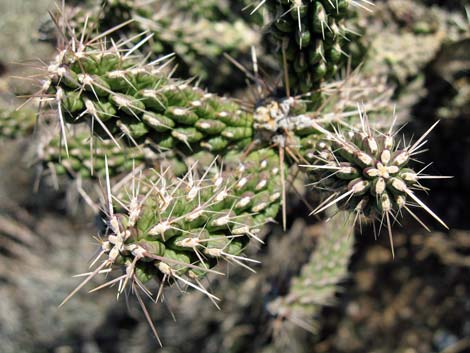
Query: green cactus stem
x=87, y=158
x=318, y=281
x=313, y=39
x=176, y=230
x=16, y=123
x=370, y=173
x=118, y=97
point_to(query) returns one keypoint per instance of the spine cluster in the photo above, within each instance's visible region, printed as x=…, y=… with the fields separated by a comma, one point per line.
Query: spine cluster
x=369, y=173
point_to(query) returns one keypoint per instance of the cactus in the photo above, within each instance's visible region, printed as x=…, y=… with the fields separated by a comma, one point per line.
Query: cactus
x=117, y=96
x=313, y=38
x=370, y=174
x=108, y=90
x=177, y=27
x=317, y=282
x=192, y=221
x=16, y=124
x=172, y=225
x=87, y=159
x=175, y=230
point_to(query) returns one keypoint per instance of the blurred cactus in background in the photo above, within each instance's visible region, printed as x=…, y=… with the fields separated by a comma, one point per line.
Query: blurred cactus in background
x=229, y=151
x=16, y=123
x=313, y=39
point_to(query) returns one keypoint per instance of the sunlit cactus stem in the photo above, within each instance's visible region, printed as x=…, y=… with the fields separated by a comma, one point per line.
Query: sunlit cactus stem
x=169, y=230
x=117, y=97
x=370, y=173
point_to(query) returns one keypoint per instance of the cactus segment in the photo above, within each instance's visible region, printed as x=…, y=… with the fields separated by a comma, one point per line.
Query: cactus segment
x=114, y=94
x=87, y=158
x=313, y=37
x=370, y=173
x=316, y=284
x=16, y=124
x=176, y=229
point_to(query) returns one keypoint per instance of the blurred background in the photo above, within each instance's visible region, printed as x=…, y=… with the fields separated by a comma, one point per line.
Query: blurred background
x=418, y=302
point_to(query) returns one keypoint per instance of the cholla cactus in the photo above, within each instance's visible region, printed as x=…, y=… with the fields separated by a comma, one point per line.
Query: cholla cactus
x=317, y=282
x=87, y=159
x=196, y=41
x=16, y=124
x=313, y=38
x=173, y=229
x=370, y=173
x=117, y=96
x=209, y=217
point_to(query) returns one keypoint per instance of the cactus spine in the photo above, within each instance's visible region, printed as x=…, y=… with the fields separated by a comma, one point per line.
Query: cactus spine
x=115, y=95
